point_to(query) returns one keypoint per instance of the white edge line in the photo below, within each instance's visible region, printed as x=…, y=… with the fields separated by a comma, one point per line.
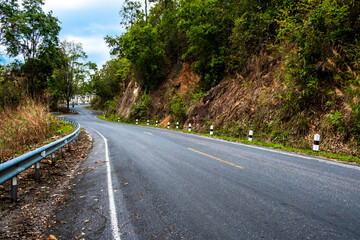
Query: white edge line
x=330, y=162
x=286, y=153
x=112, y=208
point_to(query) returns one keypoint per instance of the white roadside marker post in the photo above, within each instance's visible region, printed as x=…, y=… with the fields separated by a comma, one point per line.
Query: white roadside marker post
x=177, y=125
x=168, y=124
x=148, y=122
x=316, y=143
x=211, y=130
x=251, y=135
x=137, y=121
x=189, y=127
x=157, y=122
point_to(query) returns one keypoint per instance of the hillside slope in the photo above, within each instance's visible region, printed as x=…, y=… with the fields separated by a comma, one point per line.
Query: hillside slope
x=253, y=100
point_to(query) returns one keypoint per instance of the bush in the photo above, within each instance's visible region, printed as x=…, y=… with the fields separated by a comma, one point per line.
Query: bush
x=177, y=109
x=110, y=106
x=28, y=124
x=141, y=110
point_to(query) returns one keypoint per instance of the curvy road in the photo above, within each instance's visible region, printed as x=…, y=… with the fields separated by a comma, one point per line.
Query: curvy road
x=141, y=182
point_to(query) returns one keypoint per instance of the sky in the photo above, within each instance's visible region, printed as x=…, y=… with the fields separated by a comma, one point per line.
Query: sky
x=88, y=22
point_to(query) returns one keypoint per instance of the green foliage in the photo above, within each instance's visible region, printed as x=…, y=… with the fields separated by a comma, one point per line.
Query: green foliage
x=141, y=46
x=177, y=109
x=64, y=128
x=356, y=121
x=208, y=26
x=141, y=110
x=320, y=30
x=108, y=81
x=250, y=34
x=110, y=107
x=31, y=32
x=11, y=91
x=70, y=70
x=234, y=129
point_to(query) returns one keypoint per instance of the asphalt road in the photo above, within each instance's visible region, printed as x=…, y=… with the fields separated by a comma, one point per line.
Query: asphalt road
x=172, y=185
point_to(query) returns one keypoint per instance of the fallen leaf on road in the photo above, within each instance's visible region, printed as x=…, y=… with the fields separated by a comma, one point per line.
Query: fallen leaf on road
x=51, y=237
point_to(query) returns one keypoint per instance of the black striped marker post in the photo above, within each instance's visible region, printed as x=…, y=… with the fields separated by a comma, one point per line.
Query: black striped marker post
x=189, y=127
x=14, y=189
x=53, y=159
x=157, y=122
x=251, y=135
x=37, y=172
x=177, y=125
x=211, y=130
x=316, y=143
x=148, y=122
x=118, y=119
x=137, y=121
x=168, y=124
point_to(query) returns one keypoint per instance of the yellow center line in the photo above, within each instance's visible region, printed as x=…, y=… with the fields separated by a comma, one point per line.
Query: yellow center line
x=215, y=158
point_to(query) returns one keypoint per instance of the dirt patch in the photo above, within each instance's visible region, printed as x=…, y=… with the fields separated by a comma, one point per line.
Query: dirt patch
x=29, y=217
x=129, y=95
x=179, y=80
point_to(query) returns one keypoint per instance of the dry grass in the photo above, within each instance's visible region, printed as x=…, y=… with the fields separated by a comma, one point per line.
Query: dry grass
x=29, y=123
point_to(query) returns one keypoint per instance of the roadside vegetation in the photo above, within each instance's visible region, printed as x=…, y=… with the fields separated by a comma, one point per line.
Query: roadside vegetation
x=44, y=73
x=45, y=69
x=30, y=123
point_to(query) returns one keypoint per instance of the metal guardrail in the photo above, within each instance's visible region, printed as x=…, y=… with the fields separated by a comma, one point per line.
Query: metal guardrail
x=10, y=169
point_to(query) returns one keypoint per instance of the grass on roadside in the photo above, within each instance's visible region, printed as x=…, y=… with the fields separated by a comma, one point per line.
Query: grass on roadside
x=328, y=155
x=28, y=124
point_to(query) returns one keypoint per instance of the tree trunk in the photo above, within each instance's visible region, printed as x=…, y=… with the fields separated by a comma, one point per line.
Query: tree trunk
x=68, y=104
x=146, y=17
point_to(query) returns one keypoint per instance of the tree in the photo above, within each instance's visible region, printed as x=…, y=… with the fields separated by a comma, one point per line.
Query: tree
x=108, y=81
x=72, y=69
x=131, y=13
x=30, y=32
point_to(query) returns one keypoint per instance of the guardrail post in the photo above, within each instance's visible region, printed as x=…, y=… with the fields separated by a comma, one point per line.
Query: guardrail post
x=69, y=147
x=53, y=159
x=37, y=171
x=14, y=189
x=62, y=153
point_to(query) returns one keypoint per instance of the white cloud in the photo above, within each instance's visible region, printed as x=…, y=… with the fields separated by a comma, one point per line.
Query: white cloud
x=94, y=46
x=71, y=5
x=101, y=28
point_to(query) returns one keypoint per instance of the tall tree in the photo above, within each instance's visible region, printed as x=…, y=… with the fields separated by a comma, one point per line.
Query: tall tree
x=130, y=13
x=72, y=69
x=32, y=33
